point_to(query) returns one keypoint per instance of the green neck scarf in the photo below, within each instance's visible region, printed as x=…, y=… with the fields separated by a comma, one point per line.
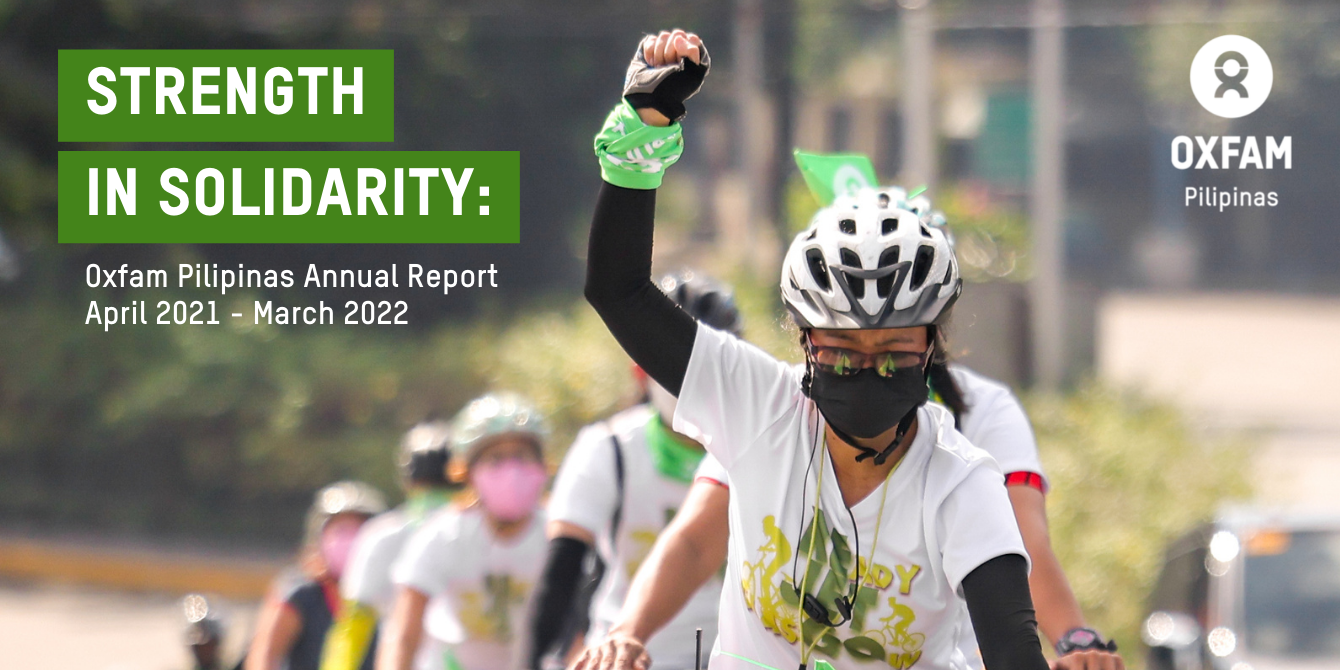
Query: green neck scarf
x=672, y=458
x=420, y=505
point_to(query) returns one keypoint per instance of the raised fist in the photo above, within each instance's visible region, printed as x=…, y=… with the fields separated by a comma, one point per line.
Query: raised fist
x=667, y=69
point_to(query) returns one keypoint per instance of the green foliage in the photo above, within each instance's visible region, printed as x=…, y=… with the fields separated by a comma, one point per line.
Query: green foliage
x=564, y=359
x=1128, y=475
x=991, y=239
x=203, y=430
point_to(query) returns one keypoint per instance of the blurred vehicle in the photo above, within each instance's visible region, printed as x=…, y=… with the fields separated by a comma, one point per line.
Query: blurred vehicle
x=1254, y=590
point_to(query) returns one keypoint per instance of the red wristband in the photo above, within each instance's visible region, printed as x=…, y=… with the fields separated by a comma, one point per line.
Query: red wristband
x=1023, y=478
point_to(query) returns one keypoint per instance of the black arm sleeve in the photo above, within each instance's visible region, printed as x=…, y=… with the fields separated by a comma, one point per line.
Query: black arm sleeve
x=655, y=332
x=1002, y=614
x=551, y=614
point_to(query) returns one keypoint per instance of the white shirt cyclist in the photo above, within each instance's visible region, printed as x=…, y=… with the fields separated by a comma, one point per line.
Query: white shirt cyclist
x=485, y=584
x=993, y=421
x=585, y=494
x=944, y=513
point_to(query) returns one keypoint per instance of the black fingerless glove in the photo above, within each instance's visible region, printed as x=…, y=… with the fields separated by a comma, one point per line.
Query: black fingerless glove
x=664, y=88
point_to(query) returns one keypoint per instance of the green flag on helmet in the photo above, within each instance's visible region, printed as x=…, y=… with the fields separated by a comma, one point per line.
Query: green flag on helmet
x=831, y=175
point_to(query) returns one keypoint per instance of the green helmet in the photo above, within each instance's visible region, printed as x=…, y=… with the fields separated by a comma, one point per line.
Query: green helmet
x=347, y=497
x=495, y=414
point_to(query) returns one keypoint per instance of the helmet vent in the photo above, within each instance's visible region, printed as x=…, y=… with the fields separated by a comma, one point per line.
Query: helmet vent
x=850, y=259
x=922, y=266
x=890, y=225
x=814, y=232
x=925, y=232
x=883, y=200
x=809, y=300
x=885, y=284
x=847, y=226
x=818, y=268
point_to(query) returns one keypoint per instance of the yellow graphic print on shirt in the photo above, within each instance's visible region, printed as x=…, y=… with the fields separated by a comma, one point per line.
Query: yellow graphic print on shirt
x=771, y=594
x=487, y=616
x=643, y=538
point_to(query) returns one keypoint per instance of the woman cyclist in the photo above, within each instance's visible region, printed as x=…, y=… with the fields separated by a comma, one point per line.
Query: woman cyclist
x=859, y=514
x=482, y=561
x=366, y=586
x=693, y=546
x=291, y=629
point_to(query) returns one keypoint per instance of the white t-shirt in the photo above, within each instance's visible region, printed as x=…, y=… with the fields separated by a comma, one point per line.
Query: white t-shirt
x=993, y=421
x=945, y=513
x=485, y=583
x=585, y=495
x=367, y=577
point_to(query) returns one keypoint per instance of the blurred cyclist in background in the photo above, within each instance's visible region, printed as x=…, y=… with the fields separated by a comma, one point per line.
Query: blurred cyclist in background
x=291, y=628
x=483, y=561
x=425, y=453
x=620, y=484
x=204, y=633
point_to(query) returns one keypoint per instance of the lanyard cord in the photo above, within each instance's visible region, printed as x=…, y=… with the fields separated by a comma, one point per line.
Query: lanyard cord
x=806, y=650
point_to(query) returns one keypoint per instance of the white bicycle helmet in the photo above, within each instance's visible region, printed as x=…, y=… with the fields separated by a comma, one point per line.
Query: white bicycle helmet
x=493, y=415
x=346, y=497
x=872, y=259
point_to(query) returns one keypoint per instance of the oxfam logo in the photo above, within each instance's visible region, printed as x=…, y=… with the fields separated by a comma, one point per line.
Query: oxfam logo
x=1231, y=76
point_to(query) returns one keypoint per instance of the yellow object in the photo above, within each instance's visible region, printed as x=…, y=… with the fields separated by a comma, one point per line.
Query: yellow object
x=349, y=637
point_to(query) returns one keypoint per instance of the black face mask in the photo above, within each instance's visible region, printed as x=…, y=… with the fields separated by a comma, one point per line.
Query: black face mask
x=864, y=405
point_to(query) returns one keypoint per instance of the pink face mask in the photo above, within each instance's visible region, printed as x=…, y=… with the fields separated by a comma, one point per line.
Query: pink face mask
x=510, y=489
x=336, y=542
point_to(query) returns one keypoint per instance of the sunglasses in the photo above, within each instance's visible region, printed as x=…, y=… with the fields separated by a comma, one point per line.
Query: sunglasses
x=845, y=362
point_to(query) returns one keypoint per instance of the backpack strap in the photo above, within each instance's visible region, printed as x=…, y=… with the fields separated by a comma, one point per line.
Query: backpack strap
x=617, y=518
x=595, y=568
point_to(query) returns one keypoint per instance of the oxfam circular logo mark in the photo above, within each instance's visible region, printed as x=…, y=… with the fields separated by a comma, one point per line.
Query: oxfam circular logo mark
x=1231, y=76
x=848, y=179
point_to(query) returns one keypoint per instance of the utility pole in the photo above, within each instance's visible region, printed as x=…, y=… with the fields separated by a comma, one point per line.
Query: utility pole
x=781, y=22
x=919, y=132
x=753, y=124
x=1047, y=194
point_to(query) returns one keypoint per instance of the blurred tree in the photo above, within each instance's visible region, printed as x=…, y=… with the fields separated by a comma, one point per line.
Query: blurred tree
x=1128, y=475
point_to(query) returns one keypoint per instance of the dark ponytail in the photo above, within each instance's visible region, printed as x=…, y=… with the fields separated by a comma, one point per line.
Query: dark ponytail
x=942, y=382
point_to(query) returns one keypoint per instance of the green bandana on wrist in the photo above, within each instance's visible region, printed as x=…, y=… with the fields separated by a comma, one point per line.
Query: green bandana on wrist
x=672, y=458
x=633, y=154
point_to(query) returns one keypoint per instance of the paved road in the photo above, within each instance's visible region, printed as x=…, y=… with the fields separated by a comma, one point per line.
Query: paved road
x=63, y=628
